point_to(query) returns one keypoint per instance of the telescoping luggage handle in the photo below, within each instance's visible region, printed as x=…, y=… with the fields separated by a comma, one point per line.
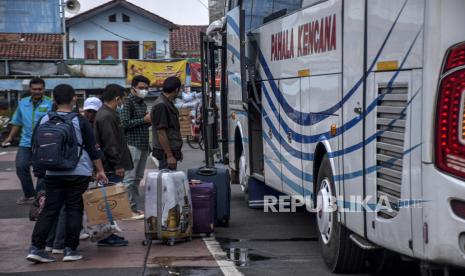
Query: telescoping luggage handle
x=159, y=203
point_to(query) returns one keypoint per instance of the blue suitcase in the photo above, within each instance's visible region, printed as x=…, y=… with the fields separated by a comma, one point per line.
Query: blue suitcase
x=220, y=177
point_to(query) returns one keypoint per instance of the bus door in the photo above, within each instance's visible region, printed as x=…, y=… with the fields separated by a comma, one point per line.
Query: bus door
x=237, y=92
x=388, y=128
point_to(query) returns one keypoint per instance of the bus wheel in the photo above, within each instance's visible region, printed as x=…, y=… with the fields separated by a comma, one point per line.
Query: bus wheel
x=339, y=252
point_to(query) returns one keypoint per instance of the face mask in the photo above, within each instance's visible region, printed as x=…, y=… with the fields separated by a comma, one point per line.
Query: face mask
x=120, y=107
x=142, y=93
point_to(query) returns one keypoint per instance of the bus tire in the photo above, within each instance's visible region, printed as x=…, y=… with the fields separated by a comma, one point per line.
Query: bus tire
x=340, y=254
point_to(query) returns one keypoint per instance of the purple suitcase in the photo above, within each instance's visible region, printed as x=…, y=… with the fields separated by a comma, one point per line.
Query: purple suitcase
x=203, y=205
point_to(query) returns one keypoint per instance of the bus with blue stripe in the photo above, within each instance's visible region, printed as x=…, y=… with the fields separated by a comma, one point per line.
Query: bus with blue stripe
x=361, y=101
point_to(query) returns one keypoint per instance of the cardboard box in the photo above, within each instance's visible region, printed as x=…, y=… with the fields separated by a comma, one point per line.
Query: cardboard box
x=95, y=207
x=184, y=111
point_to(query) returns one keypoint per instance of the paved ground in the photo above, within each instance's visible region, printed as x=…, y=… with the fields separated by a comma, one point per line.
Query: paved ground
x=271, y=243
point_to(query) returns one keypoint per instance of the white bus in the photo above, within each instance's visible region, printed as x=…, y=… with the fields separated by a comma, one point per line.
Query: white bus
x=350, y=98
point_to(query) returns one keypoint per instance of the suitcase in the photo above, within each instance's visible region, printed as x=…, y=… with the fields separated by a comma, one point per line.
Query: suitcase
x=257, y=191
x=221, y=179
x=203, y=204
x=169, y=189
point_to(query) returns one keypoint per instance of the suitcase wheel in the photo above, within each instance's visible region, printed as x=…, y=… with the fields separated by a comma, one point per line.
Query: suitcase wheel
x=223, y=223
x=145, y=242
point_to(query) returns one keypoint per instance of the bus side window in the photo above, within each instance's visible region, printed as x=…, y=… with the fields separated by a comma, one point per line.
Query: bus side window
x=260, y=10
x=233, y=3
x=289, y=5
x=308, y=3
x=247, y=7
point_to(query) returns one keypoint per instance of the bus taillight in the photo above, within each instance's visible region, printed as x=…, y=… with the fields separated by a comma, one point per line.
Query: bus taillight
x=450, y=125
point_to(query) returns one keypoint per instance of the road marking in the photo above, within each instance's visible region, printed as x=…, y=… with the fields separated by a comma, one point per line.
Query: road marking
x=227, y=266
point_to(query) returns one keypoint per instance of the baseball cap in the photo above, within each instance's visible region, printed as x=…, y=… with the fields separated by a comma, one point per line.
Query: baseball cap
x=92, y=103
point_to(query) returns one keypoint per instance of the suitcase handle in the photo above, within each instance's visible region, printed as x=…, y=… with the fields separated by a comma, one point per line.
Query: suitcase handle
x=207, y=171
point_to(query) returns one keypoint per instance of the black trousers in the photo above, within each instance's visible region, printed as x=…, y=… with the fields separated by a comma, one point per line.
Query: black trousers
x=61, y=190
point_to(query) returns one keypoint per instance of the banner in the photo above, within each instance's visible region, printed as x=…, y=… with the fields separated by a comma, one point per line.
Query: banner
x=156, y=72
x=150, y=50
x=195, y=74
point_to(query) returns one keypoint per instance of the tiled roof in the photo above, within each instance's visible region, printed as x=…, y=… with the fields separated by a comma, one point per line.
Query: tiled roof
x=185, y=41
x=31, y=46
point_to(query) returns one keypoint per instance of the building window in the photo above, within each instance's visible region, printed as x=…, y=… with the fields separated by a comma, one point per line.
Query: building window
x=150, y=50
x=130, y=49
x=126, y=18
x=112, y=18
x=109, y=50
x=90, y=49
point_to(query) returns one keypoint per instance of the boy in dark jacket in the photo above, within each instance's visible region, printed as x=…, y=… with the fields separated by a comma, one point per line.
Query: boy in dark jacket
x=110, y=136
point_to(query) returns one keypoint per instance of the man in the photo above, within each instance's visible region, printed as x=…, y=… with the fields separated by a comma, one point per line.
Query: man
x=167, y=140
x=91, y=106
x=66, y=187
x=136, y=122
x=110, y=136
x=28, y=113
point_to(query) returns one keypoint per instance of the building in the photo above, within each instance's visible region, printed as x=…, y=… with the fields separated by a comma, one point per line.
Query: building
x=118, y=30
x=185, y=41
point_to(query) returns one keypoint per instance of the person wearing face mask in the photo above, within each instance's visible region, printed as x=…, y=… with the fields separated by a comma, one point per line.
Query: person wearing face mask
x=136, y=122
x=109, y=133
x=25, y=118
x=91, y=106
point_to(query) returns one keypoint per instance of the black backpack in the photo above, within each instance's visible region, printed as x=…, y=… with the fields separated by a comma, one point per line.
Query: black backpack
x=54, y=143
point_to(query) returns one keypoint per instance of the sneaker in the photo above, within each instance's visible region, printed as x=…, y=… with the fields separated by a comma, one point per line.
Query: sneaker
x=57, y=251
x=118, y=237
x=39, y=256
x=113, y=241
x=84, y=236
x=137, y=215
x=71, y=255
x=25, y=200
x=48, y=249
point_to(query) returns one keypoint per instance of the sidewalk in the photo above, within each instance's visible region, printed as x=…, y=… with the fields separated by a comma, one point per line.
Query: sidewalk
x=192, y=258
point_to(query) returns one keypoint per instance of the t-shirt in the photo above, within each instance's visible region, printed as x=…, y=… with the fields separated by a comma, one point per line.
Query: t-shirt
x=27, y=115
x=166, y=116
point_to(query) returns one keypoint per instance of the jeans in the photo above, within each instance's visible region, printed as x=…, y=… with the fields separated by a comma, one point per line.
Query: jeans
x=23, y=171
x=133, y=177
x=113, y=178
x=56, y=236
x=61, y=190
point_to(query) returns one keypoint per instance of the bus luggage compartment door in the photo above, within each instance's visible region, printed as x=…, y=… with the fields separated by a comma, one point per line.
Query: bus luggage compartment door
x=390, y=130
